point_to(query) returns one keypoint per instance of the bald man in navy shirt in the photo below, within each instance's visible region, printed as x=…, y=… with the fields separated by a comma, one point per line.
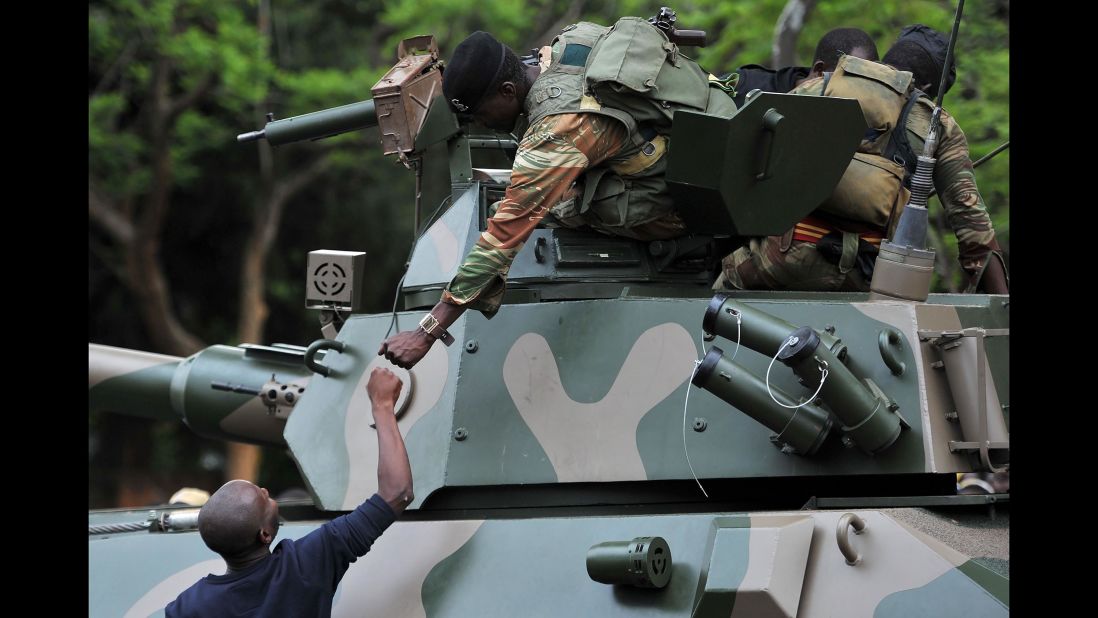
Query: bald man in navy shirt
x=298, y=578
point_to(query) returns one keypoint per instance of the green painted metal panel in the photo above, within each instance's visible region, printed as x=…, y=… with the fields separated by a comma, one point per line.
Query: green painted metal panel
x=744, y=179
x=316, y=431
x=952, y=594
x=441, y=249
x=544, y=571
x=991, y=581
x=727, y=555
x=123, y=569
x=141, y=393
x=735, y=445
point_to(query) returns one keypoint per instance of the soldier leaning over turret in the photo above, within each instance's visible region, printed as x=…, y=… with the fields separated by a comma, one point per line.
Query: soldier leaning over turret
x=835, y=246
x=574, y=161
x=582, y=149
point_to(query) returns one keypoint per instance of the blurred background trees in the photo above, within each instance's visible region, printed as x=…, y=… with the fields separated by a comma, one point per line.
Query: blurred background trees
x=194, y=239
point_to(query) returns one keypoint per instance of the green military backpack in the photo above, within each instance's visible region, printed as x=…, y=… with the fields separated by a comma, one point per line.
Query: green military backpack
x=635, y=68
x=633, y=73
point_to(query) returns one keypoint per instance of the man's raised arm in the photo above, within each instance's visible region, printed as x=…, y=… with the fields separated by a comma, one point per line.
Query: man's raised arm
x=394, y=475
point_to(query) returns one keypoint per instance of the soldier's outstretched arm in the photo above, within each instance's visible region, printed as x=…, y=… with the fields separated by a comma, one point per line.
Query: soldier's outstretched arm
x=409, y=347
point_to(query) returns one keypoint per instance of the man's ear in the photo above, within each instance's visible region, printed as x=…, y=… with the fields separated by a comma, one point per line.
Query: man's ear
x=507, y=89
x=264, y=535
x=817, y=68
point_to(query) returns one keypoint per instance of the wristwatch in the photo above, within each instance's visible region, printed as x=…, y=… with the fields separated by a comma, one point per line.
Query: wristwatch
x=431, y=326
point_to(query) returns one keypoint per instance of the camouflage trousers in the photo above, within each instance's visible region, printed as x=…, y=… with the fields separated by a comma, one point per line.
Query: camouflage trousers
x=780, y=263
x=667, y=226
x=564, y=214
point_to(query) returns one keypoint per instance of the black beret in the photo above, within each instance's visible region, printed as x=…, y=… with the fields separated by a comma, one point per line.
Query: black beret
x=472, y=69
x=935, y=43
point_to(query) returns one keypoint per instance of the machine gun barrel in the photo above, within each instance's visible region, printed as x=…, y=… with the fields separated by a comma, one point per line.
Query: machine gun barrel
x=316, y=125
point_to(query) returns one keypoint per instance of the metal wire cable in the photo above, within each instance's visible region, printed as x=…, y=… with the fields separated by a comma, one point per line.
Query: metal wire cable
x=136, y=526
x=823, y=377
x=685, y=404
x=408, y=260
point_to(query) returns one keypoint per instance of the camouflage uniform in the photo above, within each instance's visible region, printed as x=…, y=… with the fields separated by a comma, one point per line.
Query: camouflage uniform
x=586, y=160
x=551, y=157
x=781, y=262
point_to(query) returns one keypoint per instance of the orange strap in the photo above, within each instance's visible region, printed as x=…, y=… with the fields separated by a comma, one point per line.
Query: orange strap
x=811, y=229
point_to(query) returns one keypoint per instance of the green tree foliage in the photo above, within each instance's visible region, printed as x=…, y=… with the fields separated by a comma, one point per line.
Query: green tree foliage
x=172, y=82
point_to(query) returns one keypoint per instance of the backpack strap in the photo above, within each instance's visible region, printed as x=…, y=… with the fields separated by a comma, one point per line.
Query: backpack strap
x=898, y=149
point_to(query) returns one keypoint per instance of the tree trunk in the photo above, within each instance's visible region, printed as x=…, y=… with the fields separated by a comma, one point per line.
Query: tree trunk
x=570, y=16
x=146, y=278
x=787, y=30
x=242, y=461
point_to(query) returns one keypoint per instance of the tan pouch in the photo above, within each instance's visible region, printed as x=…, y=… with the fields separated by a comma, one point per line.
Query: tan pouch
x=871, y=191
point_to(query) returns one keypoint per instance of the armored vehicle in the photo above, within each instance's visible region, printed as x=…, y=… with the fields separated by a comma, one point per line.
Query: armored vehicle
x=617, y=440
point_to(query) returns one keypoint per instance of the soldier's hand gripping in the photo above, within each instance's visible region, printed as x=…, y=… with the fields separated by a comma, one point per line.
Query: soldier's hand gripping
x=407, y=348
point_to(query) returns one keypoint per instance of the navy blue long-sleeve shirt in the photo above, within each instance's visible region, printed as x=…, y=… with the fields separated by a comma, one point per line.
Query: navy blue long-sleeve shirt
x=298, y=579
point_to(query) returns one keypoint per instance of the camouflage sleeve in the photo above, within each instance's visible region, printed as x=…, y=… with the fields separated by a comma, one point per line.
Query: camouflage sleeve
x=553, y=153
x=964, y=207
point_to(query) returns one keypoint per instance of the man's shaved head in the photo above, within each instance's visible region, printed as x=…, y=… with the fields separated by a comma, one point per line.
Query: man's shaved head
x=234, y=519
x=844, y=41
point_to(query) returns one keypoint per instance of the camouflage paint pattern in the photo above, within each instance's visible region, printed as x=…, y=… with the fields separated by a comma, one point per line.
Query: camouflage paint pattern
x=175, y=388
x=545, y=416
x=725, y=564
x=131, y=381
x=106, y=362
x=438, y=254
x=361, y=444
x=529, y=417
x=331, y=421
x=569, y=430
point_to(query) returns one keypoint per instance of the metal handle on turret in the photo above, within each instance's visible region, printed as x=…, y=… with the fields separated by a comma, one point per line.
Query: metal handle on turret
x=891, y=346
x=771, y=119
x=842, y=535
x=316, y=346
x=539, y=251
